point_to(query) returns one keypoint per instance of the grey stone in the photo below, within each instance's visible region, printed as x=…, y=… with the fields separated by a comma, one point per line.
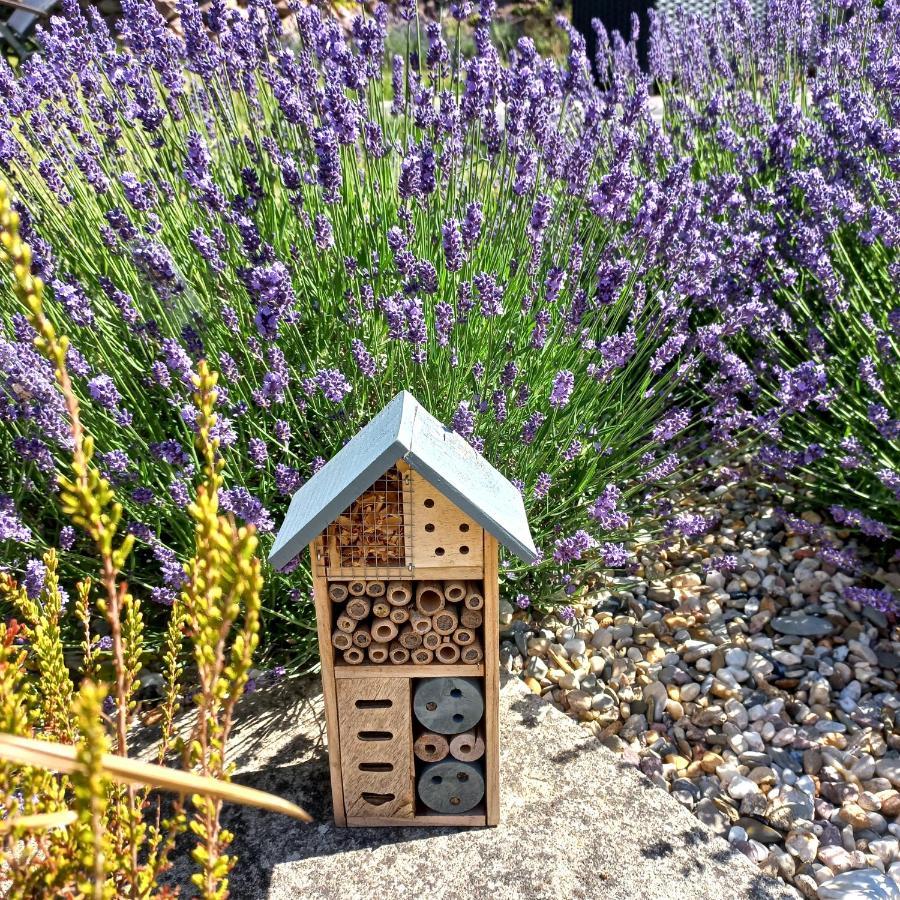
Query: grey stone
x=563, y=797
x=803, y=625
x=861, y=884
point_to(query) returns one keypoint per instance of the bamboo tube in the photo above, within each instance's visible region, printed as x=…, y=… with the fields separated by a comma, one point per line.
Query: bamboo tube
x=429, y=597
x=374, y=588
x=471, y=618
x=463, y=637
x=420, y=623
x=447, y=653
x=431, y=747
x=445, y=622
x=362, y=637
x=354, y=656
x=399, y=615
x=399, y=654
x=473, y=653
x=358, y=608
x=342, y=640
x=398, y=593
x=474, y=596
x=422, y=656
x=345, y=623
x=467, y=747
x=455, y=591
x=357, y=587
x=378, y=653
x=409, y=638
x=381, y=610
x=337, y=590
x=431, y=640
x=383, y=631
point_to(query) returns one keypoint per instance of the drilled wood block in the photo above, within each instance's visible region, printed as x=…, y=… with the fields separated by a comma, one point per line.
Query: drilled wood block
x=451, y=786
x=449, y=705
x=442, y=534
x=376, y=747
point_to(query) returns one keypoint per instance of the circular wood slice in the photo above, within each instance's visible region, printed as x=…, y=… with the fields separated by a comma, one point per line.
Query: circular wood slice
x=358, y=608
x=362, y=637
x=375, y=588
x=429, y=597
x=451, y=786
x=342, y=640
x=445, y=622
x=422, y=656
x=448, y=705
x=463, y=637
x=431, y=747
x=431, y=640
x=399, y=615
x=467, y=746
x=354, y=656
x=381, y=610
x=472, y=654
x=474, y=597
x=337, y=591
x=454, y=591
x=378, y=653
x=471, y=618
x=398, y=593
x=357, y=587
x=420, y=623
x=345, y=623
x=383, y=631
x=447, y=653
x=399, y=654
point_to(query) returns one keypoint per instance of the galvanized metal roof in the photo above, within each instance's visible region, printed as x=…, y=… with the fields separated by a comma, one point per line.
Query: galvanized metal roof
x=404, y=429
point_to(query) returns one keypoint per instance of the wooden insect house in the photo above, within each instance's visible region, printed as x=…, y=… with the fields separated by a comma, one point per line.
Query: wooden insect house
x=404, y=526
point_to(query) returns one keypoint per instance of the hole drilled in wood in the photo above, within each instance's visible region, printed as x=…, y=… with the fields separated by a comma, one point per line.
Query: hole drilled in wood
x=439, y=551
x=374, y=704
x=377, y=799
x=428, y=503
x=462, y=776
x=464, y=549
x=464, y=527
x=429, y=527
x=375, y=736
x=376, y=767
x=456, y=692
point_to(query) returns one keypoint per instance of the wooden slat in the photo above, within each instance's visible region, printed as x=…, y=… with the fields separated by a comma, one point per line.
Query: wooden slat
x=438, y=526
x=407, y=670
x=324, y=626
x=472, y=819
x=433, y=573
x=394, y=721
x=492, y=679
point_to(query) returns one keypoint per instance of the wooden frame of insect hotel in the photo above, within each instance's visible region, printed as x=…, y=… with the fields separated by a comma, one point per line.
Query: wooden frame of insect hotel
x=404, y=526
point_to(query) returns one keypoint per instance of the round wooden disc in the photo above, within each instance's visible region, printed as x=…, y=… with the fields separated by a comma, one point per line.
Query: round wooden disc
x=448, y=705
x=451, y=786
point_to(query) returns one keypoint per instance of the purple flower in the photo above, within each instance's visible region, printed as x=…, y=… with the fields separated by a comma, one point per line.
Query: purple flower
x=523, y=601
x=471, y=225
x=531, y=426
x=453, y=245
x=853, y=518
x=615, y=556
x=258, y=452
x=287, y=479
x=561, y=392
x=463, y=421
x=34, y=579
x=572, y=548
x=66, y=537
x=244, y=505
x=11, y=527
x=566, y=614
x=333, y=384
x=273, y=292
x=74, y=301
x=881, y=599
x=605, y=510
x=542, y=485
x=365, y=362
x=324, y=235
x=490, y=294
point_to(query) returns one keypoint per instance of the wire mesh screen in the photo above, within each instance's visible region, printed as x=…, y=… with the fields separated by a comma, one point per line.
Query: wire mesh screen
x=370, y=537
x=705, y=8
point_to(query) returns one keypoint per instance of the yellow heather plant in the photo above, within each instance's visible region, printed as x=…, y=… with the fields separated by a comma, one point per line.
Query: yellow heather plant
x=77, y=818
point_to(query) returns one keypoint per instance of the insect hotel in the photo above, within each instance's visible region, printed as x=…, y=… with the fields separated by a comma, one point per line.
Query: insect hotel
x=404, y=526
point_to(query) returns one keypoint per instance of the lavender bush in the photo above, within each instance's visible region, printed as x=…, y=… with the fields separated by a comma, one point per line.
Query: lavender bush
x=794, y=125
x=497, y=235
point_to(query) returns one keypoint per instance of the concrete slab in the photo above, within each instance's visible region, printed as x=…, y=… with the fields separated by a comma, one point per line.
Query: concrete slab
x=577, y=822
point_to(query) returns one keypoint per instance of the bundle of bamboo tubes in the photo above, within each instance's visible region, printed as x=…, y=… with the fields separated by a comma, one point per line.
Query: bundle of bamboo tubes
x=402, y=621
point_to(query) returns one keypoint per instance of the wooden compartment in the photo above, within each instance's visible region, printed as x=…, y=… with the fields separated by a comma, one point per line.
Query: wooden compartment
x=375, y=728
x=443, y=537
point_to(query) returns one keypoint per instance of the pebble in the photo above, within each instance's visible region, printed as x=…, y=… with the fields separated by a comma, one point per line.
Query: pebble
x=753, y=692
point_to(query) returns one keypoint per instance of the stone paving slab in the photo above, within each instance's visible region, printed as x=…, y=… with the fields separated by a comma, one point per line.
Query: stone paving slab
x=576, y=822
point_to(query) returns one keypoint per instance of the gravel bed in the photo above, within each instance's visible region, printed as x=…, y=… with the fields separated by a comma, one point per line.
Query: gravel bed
x=735, y=674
